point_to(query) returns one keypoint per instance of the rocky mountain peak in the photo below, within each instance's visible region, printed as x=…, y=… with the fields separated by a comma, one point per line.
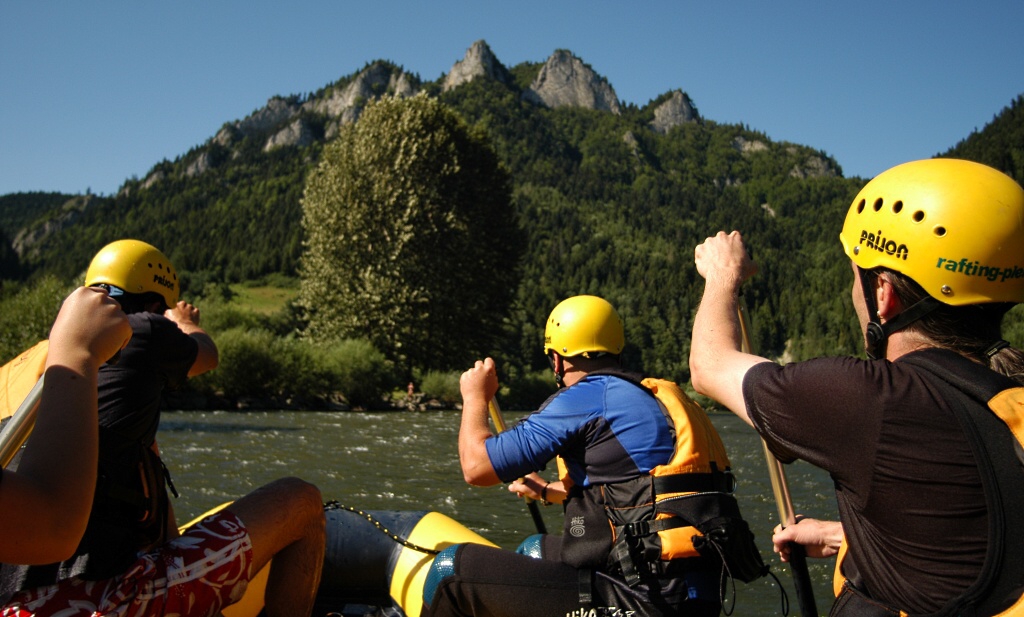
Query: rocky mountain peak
x=346, y=102
x=342, y=104
x=479, y=61
x=566, y=81
x=277, y=110
x=675, y=111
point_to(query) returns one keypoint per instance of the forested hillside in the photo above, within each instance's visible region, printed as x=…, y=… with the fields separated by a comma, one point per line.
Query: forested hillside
x=611, y=203
x=1000, y=144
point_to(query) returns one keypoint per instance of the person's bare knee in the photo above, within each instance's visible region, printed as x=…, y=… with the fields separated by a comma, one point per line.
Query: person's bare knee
x=286, y=523
x=278, y=514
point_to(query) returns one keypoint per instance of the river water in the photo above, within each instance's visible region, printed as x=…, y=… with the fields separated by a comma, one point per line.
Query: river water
x=409, y=461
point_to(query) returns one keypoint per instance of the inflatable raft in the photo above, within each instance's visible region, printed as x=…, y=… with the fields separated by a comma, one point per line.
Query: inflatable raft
x=375, y=564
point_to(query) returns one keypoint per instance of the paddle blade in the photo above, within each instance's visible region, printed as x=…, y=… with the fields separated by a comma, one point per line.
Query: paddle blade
x=18, y=376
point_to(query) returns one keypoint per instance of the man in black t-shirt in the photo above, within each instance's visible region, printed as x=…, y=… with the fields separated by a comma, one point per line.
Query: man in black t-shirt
x=907, y=436
x=130, y=545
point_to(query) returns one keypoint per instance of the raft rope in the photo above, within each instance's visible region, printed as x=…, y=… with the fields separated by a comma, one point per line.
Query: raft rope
x=728, y=583
x=335, y=505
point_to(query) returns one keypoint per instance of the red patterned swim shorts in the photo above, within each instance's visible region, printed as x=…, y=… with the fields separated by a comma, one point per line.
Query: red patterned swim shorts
x=194, y=575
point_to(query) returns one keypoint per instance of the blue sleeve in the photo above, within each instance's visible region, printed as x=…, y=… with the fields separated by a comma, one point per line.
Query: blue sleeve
x=530, y=444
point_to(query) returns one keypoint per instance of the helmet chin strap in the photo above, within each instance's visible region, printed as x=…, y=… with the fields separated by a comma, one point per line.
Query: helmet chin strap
x=559, y=375
x=876, y=335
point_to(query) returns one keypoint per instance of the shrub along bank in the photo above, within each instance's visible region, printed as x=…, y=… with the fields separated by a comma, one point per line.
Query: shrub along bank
x=264, y=363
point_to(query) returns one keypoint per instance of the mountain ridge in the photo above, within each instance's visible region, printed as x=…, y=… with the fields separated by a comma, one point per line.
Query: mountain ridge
x=564, y=80
x=612, y=203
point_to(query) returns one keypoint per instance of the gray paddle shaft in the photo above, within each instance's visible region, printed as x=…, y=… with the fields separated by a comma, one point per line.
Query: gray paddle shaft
x=17, y=430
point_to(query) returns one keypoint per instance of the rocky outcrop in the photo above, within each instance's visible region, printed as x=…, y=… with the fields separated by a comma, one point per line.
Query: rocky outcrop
x=344, y=104
x=226, y=135
x=813, y=167
x=276, y=111
x=566, y=81
x=199, y=165
x=26, y=241
x=747, y=147
x=298, y=133
x=347, y=102
x=676, y=111
x=634, y=148
x=479, y=61
x=152, y=179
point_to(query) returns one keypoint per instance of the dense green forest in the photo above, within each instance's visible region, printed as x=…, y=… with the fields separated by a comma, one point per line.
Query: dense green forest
x=608, y=206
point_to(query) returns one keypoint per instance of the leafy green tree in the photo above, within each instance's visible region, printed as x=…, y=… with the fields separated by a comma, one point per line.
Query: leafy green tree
x=411, y=239
x=27, y=315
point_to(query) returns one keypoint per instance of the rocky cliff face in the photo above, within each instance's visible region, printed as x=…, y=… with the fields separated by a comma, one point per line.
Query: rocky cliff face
x=285, y=116
x=25, y=243
x=479, y=61
x=297, y=133
x=565, y=81
x=346, y=103
x=677, y=110
x=276, y=111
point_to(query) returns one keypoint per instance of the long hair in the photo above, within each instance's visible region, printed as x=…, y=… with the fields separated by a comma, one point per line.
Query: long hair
x=973, y=331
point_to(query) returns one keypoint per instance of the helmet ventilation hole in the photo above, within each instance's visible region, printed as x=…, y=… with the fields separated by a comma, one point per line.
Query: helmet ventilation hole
x=897, y=207
x=918, y=216
x=878, y=204
x=940, y=231
x=860, y=206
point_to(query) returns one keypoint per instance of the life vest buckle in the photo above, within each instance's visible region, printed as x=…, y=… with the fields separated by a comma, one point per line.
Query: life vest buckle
x=637, y=529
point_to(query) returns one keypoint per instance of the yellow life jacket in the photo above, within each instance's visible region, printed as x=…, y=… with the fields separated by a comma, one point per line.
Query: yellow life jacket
x=694, y=514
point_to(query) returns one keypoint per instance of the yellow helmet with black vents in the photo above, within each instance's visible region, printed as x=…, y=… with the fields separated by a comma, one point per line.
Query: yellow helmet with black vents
x=955, y=227
x=134, y=267
x=584, y=325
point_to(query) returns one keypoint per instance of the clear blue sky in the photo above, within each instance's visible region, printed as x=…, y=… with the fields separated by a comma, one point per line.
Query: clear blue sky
x=93, y=93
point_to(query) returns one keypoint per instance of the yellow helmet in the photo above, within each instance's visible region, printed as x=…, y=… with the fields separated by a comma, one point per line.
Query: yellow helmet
x=135, y=267
x=955, y=227
x=583, y=325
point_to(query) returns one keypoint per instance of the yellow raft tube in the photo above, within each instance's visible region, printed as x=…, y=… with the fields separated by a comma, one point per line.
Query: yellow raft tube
x=375, y=562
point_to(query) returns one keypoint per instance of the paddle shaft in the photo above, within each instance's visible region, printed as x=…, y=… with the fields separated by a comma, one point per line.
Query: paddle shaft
x=784, y=501
x=499, y=425
x=17, y=429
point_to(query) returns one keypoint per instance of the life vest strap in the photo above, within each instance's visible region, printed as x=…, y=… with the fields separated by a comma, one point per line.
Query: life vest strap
x=714, y=482
x=640, y=529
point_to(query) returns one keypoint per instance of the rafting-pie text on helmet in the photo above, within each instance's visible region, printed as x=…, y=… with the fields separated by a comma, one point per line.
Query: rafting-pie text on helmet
x=954, y=227
x=584, y=325
x=136, y=267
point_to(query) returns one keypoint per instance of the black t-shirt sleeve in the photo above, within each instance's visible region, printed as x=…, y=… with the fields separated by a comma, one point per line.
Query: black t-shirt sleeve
x=174, y=351
x=158, y=357
x=823, y=411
